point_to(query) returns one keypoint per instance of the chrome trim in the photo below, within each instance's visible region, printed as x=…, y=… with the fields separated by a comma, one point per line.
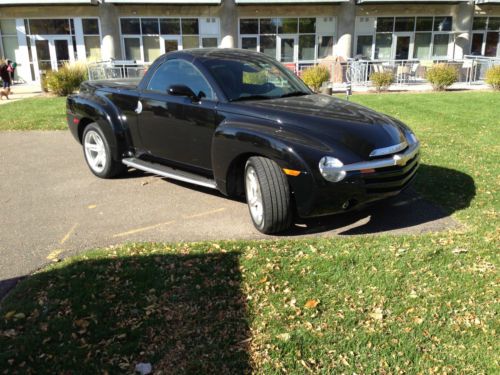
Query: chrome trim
x=397, y=159
x=389, y=150
x=170, y=173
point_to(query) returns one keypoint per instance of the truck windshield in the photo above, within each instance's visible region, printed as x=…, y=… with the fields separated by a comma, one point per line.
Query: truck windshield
x=254, y=80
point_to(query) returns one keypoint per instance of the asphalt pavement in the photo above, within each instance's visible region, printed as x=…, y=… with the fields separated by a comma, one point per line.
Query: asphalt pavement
x=52, y=206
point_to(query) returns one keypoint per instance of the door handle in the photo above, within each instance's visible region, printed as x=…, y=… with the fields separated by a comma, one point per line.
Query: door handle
x=138, y=110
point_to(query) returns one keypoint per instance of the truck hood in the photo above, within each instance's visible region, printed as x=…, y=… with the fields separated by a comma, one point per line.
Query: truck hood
x=330, y=121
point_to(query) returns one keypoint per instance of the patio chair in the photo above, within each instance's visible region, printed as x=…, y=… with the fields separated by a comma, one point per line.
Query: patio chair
x=413, y=72
x=402, y=73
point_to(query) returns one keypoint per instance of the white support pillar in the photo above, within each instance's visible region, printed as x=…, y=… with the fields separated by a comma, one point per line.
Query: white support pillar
x=229, y=24
x=80, y=41
x=110, y=31
x=346, y=21
x=22, y=54
x=463, y=15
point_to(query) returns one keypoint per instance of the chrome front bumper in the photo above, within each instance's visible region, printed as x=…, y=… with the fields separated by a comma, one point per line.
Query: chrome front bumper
x=397, y=159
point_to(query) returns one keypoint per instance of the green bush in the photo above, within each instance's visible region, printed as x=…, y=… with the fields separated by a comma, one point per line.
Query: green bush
x=381, y=80
x=442, y=76
x=315, y=76
x=67, y=79
x=492, y=77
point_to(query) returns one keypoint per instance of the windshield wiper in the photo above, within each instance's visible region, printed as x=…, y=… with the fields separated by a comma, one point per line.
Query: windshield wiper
x=294, y=93
x=250, y=97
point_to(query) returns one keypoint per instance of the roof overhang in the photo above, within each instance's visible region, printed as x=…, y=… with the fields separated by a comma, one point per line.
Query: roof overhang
x=270, y=2
x=487, y=1
x=164, y=1
x=410, y=1
x=45, y=2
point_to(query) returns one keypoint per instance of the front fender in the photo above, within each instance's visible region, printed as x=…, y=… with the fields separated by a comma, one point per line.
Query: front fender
x=98, y=108
x=236, y=140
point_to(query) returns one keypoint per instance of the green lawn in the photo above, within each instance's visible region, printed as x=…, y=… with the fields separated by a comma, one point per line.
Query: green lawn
x=419, y=304
x=39, y=113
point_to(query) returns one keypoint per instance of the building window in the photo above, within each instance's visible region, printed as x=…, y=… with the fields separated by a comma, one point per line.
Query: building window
x=364, y=46
x=287, y=39
x=407, y=38
x=440, y=45
x=92, y=39
x=144, y=39
x=485, y=36
x=8, y=39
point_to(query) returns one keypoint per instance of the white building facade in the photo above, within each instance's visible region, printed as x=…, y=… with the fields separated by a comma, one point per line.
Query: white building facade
x=40, y=35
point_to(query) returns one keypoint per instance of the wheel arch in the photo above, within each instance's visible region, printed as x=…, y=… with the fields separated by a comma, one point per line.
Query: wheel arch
x=99, y=110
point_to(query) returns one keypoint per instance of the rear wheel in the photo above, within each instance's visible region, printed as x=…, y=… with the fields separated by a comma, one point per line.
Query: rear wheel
x=268, y=195
x=98, y=153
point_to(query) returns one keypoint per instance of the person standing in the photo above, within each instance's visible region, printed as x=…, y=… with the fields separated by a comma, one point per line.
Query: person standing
x=5, y=74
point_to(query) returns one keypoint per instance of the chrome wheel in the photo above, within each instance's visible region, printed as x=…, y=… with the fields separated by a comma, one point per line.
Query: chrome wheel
x=254, y=196
x=95, y=151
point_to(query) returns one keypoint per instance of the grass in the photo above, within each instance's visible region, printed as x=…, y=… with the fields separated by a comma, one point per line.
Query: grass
x=417, y=304
x=39, y=113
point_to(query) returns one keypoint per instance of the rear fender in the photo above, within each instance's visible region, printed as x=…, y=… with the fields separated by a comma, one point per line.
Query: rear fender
x=99, y=109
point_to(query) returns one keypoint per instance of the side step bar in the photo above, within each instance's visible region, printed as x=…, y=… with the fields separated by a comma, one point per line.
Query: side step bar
x=175, y=174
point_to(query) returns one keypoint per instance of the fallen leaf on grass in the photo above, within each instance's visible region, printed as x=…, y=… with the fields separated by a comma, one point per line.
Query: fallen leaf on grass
x=283, y=336
x=19, y=316
x=10, y=314
x=311, y=304
x=458, y=250
x=377, y=314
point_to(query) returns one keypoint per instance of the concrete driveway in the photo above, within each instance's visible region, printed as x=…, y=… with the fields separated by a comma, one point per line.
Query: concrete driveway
x=52, y=206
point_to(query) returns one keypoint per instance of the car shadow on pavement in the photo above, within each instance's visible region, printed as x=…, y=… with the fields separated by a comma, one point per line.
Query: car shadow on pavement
x=424, y=207
x=181, y=313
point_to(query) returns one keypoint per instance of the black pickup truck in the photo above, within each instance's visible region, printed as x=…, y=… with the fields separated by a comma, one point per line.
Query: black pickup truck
x=241, y=123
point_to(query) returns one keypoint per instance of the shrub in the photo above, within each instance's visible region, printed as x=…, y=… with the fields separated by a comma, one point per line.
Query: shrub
x=315, y=76
x=441, y=76
x=381, y=80
x=492, y=77
x=67, y=79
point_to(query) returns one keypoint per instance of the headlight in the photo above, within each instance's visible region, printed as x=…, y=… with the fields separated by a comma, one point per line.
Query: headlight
x=331, y=169
x=412, y=138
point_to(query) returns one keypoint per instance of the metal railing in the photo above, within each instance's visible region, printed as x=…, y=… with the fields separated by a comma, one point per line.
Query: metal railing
x=116, y=69
x=471, y=69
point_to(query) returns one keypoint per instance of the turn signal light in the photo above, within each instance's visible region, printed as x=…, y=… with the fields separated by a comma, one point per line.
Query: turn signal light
x=291, y=172
x=371, y=170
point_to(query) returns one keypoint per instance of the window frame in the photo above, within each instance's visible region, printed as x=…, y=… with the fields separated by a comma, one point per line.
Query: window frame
x=485, y=33
x=317, y=34
x=162, y=36
x=414, y=33
x=207, y=98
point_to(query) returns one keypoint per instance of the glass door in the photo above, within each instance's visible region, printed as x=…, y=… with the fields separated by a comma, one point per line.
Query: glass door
x=288, y=48
x=51, y=52
x=170, y=43
x=403, y=46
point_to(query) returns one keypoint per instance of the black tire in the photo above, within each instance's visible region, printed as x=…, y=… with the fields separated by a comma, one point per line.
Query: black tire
x=109, y=167
x=275, y=195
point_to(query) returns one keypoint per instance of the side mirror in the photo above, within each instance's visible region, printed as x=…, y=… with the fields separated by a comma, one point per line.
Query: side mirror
x=182, y=90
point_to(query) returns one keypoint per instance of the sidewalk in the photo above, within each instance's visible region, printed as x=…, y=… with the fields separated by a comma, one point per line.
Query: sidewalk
x=22, y=91
x=410, y=87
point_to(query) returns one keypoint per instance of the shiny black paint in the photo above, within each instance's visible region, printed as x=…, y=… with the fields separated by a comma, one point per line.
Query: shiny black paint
x=216, y=137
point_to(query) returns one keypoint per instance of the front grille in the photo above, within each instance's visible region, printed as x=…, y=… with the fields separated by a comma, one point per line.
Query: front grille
x=391, y=179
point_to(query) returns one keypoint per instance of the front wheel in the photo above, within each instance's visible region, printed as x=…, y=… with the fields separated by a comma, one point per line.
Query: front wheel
x=98, y=153
x=268, y=195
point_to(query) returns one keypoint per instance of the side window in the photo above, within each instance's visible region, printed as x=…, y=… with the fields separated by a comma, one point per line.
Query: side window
x=179, y=72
